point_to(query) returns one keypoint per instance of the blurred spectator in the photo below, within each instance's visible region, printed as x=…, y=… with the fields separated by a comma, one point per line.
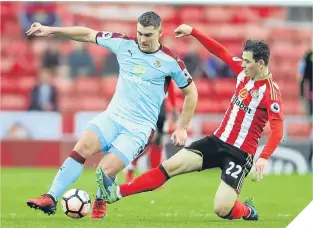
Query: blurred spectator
x=216, y=68
x=306, y=93
x=110, y=66
x=18, y=131
x=42, y=12
x=44, y=94
x=192, y=60
x=300, y=14
x=52, y=57
x=80, y=61
x=306, y=84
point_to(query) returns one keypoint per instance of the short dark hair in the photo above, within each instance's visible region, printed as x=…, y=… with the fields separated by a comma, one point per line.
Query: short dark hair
x=259, y=48
x=150, y=19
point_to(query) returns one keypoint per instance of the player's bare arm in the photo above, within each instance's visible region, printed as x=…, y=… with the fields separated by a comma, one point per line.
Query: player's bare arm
x=81, y=34
x=190, y=103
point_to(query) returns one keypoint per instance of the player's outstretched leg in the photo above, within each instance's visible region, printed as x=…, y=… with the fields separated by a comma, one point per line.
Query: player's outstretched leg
x=106, y=172
x=227, y=206
x=183, y=161
x=69, y=172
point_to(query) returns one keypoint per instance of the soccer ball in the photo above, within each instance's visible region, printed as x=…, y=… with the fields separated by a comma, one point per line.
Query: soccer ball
x=76, y=203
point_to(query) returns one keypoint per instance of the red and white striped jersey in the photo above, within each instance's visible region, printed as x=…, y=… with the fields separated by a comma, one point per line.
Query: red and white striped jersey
x=252, y=106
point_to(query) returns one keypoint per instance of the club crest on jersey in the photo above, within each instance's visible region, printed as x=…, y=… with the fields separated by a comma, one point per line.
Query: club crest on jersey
x=157, y=63
x=255, y=94
x=275, y=107
x=243, y=93
x=107, y=35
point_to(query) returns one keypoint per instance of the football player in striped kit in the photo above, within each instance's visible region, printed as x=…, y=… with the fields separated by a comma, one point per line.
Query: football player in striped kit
x=256, y=101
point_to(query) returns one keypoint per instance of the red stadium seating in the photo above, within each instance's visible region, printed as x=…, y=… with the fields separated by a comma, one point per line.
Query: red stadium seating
x=230, y=25
x=295, y=129
x=108, y=85
x=92, y=103
x=208, y=127
x=87, y=85
x=14, y=102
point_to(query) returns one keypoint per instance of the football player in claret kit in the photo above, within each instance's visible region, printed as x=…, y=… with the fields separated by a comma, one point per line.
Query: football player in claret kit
x=123, y=131
x=232, y=146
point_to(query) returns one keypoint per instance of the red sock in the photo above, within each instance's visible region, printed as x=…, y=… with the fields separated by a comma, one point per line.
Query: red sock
x=155, y=155
x=77, y=157
x=239, y=210
x=150, y=180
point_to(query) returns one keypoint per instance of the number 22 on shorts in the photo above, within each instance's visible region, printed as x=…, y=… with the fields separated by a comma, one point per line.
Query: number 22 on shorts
x=233, y=170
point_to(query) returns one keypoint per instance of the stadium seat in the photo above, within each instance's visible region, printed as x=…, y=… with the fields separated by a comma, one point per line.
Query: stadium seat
x=92, y=103
x=302, y=129
x=87, y=85
x=26, y=84
x=65, y=86
x=66, y=47
x=191, y=13
x=289, y=88
x=292, y=107
x=167, y=13
x=209, y=106
x=218, y=14
x=204, y=87
x=14, y=102
x=208, y=127
x=68, y=103
x=108, y=85
x=8, y=85
x=223, y=88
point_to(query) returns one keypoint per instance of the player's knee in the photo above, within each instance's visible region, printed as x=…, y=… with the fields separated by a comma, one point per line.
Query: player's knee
x=172, y=167
x=88, y=145
x=111, y=165
x=182, y=162
x=222, y=210
x=110, y=171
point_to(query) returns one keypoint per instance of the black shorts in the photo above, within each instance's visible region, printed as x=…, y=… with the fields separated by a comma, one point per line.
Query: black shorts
x=234, y=163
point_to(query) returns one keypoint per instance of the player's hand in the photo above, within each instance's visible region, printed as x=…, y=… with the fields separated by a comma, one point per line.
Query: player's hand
x=179, y=136
x=260, y=166
x=183, y=30
x=39, y=30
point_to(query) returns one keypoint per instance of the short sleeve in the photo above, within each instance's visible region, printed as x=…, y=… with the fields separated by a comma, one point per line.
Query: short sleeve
x=110, y=40
x=180, y=74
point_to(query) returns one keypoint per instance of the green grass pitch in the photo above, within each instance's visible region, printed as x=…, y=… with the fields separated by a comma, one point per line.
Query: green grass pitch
x=185, y=201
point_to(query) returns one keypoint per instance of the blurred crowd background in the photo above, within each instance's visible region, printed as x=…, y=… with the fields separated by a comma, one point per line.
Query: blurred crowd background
x=64, y=76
